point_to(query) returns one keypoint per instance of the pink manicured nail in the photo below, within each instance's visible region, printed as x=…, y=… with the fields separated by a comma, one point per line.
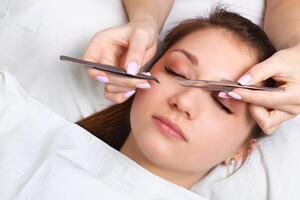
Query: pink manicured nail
x=245, y=79
x=129, y=93
x=102, y=79
x=132, y=68
x=223, y=95
x=143, y=85
x=146, y=73
x=234, y=95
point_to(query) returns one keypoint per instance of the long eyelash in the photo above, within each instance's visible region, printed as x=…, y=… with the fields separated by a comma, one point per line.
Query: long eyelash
x=170, y=71
x=222, y=105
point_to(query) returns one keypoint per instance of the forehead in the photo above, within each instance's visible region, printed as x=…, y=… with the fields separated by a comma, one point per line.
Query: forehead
x=217, y=51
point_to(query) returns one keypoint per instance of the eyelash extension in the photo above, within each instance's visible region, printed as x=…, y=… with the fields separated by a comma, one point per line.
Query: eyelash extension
x=221, y=105
x=170, y=71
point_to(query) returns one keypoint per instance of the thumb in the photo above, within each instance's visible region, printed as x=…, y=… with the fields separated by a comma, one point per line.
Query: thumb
x=137, y=46
x=260, y=72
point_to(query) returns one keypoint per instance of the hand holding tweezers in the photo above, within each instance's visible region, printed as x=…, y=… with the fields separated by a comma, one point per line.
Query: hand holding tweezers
x=223, y=85
x=108, y=68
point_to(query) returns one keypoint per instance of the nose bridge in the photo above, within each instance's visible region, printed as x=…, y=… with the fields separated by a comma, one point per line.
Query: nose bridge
x=187, y=100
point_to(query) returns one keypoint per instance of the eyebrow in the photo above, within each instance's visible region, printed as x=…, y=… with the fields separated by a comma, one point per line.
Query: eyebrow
x=192, y=58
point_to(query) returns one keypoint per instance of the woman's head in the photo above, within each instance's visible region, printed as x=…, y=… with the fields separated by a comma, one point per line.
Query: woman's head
x=221, y=47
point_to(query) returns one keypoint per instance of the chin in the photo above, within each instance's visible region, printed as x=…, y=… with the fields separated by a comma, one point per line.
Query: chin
x=155, y=149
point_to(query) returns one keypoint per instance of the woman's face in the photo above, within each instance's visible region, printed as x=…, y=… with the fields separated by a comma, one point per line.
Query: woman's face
x=213, y=129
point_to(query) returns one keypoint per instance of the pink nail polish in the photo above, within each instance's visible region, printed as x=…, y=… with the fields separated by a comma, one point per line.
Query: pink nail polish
x=132, y=68
x=143, y=85
x=234, y=95
x=129, y=93
x=245, y=79
x=102, y=79
x=223, y=95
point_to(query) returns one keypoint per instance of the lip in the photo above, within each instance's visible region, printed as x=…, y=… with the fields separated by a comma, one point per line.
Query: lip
x=169, y=128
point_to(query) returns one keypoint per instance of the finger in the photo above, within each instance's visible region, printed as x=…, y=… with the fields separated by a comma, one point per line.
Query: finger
x=125, y=82
x=293, y=108
x=136, y=51
x=93, y=53
x=119, y=97
x=261, y=98
x=116, y=89
x=261, y=71
x=107, y=59
x=267, y=120
x=273, y=129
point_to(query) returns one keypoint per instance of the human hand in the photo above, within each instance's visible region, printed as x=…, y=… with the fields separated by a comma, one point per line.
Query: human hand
x=271, y=109
x=129, y=46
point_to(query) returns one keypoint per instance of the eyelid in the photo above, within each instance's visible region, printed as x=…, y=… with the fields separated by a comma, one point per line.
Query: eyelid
x=170, y=70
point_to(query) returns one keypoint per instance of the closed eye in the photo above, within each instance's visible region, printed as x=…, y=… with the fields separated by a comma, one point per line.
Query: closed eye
x=213, y=95
x=172, y=72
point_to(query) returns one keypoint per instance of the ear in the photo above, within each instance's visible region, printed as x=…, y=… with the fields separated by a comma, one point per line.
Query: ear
x=242, y=153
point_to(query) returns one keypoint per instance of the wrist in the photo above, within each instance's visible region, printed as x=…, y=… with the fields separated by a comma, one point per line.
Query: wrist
x=147, y=24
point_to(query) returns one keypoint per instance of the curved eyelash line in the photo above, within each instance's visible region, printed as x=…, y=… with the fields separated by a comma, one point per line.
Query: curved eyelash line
x=216, y=99
x=169, y=70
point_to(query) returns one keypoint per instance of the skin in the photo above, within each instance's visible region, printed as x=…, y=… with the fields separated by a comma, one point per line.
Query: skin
x=213, y=135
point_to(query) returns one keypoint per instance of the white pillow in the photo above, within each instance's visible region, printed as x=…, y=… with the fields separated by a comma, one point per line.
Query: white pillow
x=34, y=33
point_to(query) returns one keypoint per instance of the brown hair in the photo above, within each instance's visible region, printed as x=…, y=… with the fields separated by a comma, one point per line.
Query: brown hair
x=112, y=125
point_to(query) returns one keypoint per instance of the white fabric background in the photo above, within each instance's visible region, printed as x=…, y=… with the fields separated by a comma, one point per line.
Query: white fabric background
x=33, y=33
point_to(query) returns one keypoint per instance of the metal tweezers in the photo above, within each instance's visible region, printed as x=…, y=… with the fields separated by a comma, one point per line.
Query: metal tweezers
x=205, y=84
x=223, y=85
x=107, y=68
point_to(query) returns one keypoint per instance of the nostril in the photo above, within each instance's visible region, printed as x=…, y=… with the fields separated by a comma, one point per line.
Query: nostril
x=188, y=114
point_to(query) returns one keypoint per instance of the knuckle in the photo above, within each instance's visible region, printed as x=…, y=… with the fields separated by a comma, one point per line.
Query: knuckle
x=269, y=131
x=119, y=99
x=94, y=73
x=108, y=88
x=265, y=126
x=140, y=31
x=112, y=98
x=129, y=82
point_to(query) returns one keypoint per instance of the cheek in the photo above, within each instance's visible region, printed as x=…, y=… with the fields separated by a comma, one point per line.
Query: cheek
x=219, y=138
x=151, y=94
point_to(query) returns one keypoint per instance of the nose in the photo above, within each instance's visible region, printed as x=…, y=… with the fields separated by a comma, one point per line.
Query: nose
x=186, y=101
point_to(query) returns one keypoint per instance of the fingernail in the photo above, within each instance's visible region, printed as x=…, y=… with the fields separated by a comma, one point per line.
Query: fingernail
x=129, y=93
x=224, y=95
x=245, y=79
x=234, y=95
x=132, y=68
x=146, y=73
x=102, y=79
x=143, y=85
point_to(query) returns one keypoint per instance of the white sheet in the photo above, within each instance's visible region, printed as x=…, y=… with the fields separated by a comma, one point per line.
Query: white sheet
x=45, y=157
x=33, y=33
